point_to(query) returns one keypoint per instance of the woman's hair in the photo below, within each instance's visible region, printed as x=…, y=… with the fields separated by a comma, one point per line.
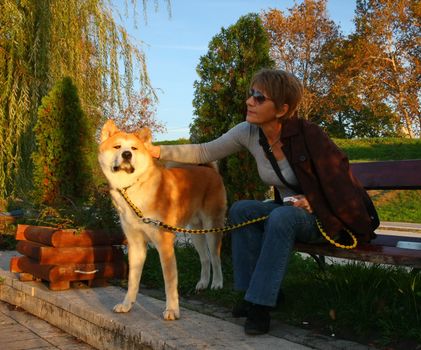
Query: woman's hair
x=280, y=86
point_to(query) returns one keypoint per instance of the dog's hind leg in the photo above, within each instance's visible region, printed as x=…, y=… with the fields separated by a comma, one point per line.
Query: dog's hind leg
x=214, y=242
x=137, y=255
x=199, y=242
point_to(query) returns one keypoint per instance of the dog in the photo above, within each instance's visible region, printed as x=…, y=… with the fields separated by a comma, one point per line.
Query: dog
x=191, y=196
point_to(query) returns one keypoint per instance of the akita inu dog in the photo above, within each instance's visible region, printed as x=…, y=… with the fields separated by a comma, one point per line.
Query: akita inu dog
x=191, y=196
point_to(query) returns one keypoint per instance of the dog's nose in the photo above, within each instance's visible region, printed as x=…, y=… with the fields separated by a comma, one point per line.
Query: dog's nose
x=127, y=155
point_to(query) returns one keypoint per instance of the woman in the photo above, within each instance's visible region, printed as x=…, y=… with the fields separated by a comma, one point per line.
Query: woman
x=314, y=172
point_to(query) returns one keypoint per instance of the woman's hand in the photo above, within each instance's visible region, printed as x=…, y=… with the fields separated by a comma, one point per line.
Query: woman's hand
x=302, y=202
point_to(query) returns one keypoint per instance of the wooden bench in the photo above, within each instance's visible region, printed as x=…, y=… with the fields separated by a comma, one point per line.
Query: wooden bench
x=386, y=175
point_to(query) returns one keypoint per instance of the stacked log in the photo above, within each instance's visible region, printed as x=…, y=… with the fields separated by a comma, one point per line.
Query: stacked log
x=61, y=256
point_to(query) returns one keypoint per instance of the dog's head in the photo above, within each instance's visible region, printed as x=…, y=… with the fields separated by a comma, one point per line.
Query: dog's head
x=123, y=156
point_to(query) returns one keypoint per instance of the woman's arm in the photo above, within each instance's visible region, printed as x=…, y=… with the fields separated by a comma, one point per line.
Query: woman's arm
x=230, y=142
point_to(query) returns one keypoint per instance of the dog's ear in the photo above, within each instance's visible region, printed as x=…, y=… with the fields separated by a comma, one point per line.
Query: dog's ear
x=108, y=130
x=145, y=135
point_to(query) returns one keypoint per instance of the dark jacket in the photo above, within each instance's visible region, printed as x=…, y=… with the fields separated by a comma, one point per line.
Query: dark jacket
x=322, y=169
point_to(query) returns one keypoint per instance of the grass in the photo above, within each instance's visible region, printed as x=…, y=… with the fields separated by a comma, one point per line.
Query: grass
x=371, y=304
x=404, y=206
x=380, y=149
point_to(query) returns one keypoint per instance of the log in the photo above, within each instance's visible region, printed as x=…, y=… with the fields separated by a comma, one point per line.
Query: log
x=68, y=255
x=72, y=272
x=55, y=237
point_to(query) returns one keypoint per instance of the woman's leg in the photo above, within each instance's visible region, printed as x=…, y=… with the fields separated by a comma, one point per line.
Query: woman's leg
x=247, y=241
x=285, y=225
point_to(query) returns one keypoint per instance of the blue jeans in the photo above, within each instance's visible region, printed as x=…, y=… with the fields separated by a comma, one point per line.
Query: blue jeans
x=261, y=251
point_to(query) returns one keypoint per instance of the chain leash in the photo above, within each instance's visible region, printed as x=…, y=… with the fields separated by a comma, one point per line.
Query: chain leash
x=158, y=223
x=332, y=241
x=182, y=229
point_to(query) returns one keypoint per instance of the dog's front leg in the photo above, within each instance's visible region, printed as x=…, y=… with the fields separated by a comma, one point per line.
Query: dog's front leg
x=137, y=255
x=169, y=271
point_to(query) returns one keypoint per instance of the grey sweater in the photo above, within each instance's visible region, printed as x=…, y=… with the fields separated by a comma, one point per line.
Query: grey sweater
x=243, y=135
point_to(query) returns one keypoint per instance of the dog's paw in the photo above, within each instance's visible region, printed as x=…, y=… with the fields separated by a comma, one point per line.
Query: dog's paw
x=124, y=307
x=171, y=315
x=202, y=285
x=217, y=285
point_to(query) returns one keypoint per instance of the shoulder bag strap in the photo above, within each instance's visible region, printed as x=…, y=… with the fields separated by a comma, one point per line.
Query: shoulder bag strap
x=264, y=143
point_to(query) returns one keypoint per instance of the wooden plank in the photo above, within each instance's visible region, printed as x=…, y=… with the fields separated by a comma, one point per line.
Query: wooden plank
x=373, y=253
x=389, y=175
x=23, y=230
x=68, y=255
x=67, y=237
x=26, y=277
x=73, y=272
x=391, y=241
x=60, y=285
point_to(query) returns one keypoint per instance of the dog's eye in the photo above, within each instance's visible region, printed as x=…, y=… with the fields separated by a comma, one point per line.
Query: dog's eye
x=117, y=146
x=134, y=148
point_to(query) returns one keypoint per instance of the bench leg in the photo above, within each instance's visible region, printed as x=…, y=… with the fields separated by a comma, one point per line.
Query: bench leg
x=320, y=260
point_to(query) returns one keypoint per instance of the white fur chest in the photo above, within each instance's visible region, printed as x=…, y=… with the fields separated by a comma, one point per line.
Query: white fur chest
x=127, y=215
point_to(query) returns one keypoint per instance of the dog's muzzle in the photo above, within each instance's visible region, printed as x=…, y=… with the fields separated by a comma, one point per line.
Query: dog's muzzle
x=125, y=165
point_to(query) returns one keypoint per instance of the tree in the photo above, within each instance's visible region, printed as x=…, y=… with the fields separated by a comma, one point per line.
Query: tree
x=136, y=113
x=297, y=41
x=348, y=112
x=43, y=41
x=387, y=35
x=64, y=141
x=225, y=72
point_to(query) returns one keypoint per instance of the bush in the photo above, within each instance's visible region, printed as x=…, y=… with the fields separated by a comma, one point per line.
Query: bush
x=64, y=142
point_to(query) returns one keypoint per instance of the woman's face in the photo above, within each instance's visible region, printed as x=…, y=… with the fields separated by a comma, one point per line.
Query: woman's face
x=260, y=108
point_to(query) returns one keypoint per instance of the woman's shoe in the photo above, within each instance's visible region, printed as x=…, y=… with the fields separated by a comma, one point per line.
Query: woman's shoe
x=241, y=309
x=258, y=320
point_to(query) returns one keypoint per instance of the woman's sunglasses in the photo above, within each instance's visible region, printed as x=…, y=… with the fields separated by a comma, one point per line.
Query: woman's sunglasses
x=258, y=96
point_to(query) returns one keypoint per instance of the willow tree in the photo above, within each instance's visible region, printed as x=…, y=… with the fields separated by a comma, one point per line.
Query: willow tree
x=43, y=41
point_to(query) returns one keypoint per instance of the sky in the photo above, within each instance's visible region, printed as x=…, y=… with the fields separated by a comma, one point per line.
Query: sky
x=173, y=44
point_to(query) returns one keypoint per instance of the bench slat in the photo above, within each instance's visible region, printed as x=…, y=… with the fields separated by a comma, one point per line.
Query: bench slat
x=373, y=253
x=389, y=175
x=391, y=240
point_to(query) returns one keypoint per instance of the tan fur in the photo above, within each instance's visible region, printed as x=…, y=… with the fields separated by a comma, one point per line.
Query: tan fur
x=180, y=196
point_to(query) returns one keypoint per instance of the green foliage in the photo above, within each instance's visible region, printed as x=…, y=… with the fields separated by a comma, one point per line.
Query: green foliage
x=181, y=141
x=347, y=122
x=225, y=72
x=64, y=138
x=96, y=212
x=42, y=41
